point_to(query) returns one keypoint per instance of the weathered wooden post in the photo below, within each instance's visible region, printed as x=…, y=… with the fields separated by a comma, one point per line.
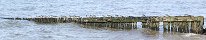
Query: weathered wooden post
x=150, y=22
x=187, y=26
x=180, y=29
x=174, y=28
x=144, y=25
x=144, y=21
x=197, y=25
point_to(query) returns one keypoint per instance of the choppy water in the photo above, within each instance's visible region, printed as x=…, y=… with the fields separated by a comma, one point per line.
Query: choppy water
x=27, y=30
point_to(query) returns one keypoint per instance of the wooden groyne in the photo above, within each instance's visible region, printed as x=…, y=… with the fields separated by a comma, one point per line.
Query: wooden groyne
x=112, y=25
x=45, y=19
x=186, y=24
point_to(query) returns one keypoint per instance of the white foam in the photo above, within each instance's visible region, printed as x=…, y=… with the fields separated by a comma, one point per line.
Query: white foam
x=189, y=34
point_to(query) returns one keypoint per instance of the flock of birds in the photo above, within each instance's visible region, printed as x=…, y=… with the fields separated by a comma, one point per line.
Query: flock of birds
x=87, y=16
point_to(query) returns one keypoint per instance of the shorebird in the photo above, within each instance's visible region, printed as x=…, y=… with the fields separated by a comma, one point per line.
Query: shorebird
x=117, y=15
x=90, y=15
x=167, y=15
x=187, y=15
x=143, y=15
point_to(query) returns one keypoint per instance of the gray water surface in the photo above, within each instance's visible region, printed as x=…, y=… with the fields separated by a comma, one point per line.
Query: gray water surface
x=28, y=30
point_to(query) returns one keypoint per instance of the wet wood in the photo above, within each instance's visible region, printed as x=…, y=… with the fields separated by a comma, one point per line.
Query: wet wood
x=185, y=24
